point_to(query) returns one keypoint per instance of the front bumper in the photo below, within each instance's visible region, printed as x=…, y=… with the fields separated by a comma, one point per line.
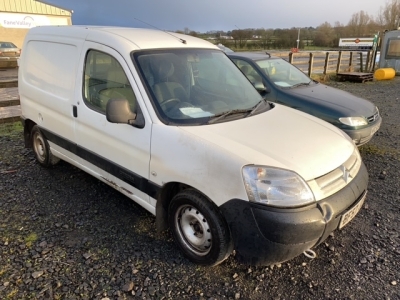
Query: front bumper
x=363, y=136
x=264, y=235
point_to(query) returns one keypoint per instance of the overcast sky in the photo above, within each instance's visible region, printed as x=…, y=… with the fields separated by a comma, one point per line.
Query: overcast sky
x=205, y=15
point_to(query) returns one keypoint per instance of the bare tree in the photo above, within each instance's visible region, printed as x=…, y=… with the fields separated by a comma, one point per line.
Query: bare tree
x=325, y=35
x=241, y=36
x=389, y=15
x=340, y=32
x=264, y=36
x=359, y=24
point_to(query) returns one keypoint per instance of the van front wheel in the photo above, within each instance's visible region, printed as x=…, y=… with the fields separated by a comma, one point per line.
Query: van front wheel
x=41, y=148
x=199, y=229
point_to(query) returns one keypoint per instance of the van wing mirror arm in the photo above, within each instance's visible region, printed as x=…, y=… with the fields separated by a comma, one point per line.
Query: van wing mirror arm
x=118, y=111
x=138, y=121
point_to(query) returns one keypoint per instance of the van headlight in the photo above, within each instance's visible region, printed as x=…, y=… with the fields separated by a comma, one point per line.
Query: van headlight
x=276, y=187
x=354, y=121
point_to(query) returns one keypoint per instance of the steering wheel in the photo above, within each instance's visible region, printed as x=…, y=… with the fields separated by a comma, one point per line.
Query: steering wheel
x=170, y=103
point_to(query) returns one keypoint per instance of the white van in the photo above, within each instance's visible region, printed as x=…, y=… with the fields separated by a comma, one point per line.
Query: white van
x=172, y=123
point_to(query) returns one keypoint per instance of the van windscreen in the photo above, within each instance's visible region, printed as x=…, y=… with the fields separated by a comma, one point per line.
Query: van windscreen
x=192, y=86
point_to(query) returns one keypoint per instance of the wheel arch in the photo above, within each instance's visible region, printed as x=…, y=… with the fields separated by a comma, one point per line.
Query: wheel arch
x=165, y=196
x=28, y=125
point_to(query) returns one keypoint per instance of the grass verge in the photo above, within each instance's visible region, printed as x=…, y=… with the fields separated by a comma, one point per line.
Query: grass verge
x=11, y=129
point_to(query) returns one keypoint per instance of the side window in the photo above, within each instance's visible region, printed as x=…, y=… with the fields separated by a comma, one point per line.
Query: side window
x=248, y=70
x=105, y=79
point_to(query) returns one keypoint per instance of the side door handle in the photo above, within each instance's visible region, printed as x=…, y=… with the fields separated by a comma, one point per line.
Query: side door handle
x=75, y=111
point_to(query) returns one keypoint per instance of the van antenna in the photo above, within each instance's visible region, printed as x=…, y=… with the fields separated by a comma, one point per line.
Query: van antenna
x=182, y=40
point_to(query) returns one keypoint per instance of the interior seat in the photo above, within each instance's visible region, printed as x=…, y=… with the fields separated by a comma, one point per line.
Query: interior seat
x=251, y=74
x=118, y=86
x=165, y=89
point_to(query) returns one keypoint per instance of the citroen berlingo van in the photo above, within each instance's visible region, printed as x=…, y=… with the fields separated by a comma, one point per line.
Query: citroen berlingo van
x=169, y=121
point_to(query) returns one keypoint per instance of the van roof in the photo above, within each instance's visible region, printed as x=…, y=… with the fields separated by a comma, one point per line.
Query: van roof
x=138, y=38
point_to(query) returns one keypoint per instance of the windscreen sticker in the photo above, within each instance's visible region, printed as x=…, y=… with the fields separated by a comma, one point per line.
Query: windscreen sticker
x=195, y=112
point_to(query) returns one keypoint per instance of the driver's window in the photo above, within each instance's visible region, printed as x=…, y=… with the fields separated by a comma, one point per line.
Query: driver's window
x=105, y=79
x=248, y=70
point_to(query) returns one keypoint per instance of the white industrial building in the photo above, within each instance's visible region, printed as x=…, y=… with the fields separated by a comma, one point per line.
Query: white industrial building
x=18, y=16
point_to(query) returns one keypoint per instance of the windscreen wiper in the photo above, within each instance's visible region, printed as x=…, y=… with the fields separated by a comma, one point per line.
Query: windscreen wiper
x=256, y=107
x=301, y=84
x=223, y=115
x=250, y=112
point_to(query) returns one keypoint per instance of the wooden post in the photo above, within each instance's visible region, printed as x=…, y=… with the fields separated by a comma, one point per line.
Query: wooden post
x=339, y=62
x=291, y=57
x=361, y=62
x=326, y=67
x=367, y=62
x=310, y=64
x=374, y=53
x=351, y=68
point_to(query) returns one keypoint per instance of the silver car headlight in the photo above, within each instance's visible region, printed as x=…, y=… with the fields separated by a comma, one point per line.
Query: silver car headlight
x=276, y=187
x=353, y=121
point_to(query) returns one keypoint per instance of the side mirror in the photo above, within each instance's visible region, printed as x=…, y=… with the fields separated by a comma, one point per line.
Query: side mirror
x=261, y=88
x=119, y=111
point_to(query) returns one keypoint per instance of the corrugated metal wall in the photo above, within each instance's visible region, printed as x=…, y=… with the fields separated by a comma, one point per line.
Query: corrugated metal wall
x=31, y=7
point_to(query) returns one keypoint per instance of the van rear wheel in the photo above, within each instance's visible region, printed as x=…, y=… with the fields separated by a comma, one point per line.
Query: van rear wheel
x=199, y=229
x=41, y=148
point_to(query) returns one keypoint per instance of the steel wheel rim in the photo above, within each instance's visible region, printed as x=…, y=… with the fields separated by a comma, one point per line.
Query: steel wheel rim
x=193, y=229
x=39, y=147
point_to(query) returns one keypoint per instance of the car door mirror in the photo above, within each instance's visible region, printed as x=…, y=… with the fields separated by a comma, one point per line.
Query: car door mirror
x=119, y=111
x=261, y=88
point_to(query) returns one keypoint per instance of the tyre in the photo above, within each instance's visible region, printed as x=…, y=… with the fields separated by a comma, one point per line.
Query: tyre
x=41, y=148
x=199, y=228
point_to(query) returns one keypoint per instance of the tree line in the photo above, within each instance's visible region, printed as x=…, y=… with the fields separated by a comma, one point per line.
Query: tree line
x=361, y=24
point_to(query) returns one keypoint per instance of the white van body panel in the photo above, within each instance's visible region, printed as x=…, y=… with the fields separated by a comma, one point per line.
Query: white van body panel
x=256, y=139
x=179, y=155
x=144, y=38
x=105, y=177
x=47, y=83
x=200, y=155
x=122, y=144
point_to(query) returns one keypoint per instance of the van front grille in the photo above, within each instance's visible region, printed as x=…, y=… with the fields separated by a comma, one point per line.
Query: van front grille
x=330, y=183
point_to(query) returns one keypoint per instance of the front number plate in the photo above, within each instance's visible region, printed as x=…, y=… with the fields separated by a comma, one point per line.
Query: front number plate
x=348, y=216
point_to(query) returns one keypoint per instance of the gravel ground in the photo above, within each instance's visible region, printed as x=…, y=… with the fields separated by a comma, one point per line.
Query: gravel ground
x=66, y=235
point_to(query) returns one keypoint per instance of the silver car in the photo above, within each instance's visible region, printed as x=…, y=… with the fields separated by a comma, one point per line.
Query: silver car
x=9, y=51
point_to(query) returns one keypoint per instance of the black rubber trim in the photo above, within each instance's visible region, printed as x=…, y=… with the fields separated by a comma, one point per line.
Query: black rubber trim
x=124, y=174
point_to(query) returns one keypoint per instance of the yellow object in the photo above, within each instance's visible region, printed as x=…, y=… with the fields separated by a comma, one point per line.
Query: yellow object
x=384, y=73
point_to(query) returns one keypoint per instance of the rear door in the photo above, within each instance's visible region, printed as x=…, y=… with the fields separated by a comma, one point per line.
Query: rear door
x=119, y=154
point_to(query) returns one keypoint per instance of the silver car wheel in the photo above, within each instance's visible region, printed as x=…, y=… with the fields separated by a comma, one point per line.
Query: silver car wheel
x=193, y=229
x=39, y=147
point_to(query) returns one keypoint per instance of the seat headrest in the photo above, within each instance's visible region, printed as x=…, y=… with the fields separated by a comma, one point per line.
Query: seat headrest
x=244, y=69
x=117, y=76
x=164, y=70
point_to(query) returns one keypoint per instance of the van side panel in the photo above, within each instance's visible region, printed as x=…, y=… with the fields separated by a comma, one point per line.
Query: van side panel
x=51, y=67
x=47, y=81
